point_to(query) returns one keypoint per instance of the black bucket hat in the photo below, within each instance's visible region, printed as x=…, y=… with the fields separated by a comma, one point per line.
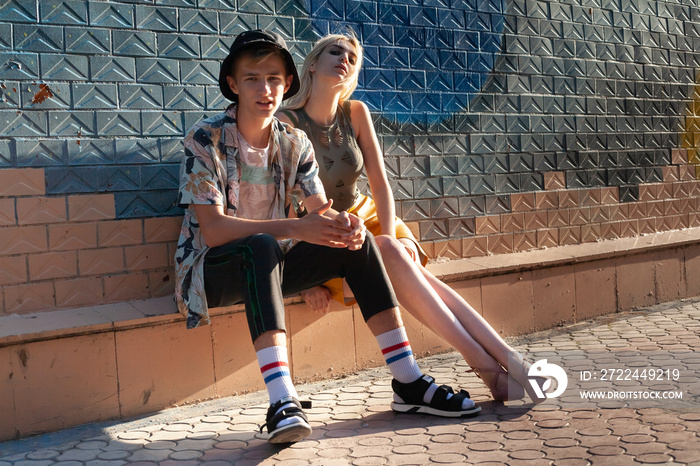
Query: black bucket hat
x=251, y=39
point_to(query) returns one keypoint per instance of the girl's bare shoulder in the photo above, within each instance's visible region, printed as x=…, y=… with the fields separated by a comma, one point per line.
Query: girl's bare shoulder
x=359, y=112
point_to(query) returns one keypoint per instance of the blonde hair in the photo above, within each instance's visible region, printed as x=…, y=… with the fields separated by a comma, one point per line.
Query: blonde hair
x=306, y=78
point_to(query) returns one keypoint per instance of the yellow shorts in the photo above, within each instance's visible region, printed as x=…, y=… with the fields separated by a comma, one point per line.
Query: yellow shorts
x=367, y=211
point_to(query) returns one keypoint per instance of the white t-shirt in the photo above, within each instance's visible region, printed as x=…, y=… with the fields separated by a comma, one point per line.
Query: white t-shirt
x=258, y=191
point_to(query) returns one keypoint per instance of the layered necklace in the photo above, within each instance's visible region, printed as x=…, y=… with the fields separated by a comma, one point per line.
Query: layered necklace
x=325, y=134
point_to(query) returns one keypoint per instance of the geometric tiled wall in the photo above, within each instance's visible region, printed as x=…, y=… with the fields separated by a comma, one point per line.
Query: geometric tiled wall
x=506, y=124
x=68, y=251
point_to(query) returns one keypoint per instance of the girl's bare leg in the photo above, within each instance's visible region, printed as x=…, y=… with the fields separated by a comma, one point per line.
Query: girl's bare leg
x=417, y=295
x=482, y=332
x=485, y=337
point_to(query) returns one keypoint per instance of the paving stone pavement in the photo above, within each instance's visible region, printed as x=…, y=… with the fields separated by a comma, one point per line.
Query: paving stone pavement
x=353, y=424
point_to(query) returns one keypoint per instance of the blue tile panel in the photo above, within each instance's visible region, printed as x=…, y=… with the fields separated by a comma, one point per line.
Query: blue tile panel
x=473, y=100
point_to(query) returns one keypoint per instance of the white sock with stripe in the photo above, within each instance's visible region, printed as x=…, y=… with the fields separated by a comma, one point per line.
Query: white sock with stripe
x=274, y=367
x=398, y=355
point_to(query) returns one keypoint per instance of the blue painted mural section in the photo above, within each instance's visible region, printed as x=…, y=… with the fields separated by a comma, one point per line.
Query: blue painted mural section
x=424, y=61
x=422, y=58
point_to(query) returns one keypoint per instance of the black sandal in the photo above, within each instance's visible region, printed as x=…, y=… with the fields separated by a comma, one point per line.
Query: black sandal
x=408, y=398
x=298, y=427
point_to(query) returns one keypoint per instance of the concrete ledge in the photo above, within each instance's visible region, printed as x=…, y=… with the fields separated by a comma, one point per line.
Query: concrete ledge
x=26, y=328
x=64, y=368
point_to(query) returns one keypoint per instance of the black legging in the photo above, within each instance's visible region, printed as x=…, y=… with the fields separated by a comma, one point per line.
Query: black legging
x=255, y=271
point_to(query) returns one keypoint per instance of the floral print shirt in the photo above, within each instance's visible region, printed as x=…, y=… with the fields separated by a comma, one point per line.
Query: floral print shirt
x=210, y=174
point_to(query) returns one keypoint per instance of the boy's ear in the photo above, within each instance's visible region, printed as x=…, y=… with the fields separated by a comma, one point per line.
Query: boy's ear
x=232, y=84
x=290, y=80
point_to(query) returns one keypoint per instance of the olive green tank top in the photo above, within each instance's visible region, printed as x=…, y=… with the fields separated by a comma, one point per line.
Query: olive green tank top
x=337, y=153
